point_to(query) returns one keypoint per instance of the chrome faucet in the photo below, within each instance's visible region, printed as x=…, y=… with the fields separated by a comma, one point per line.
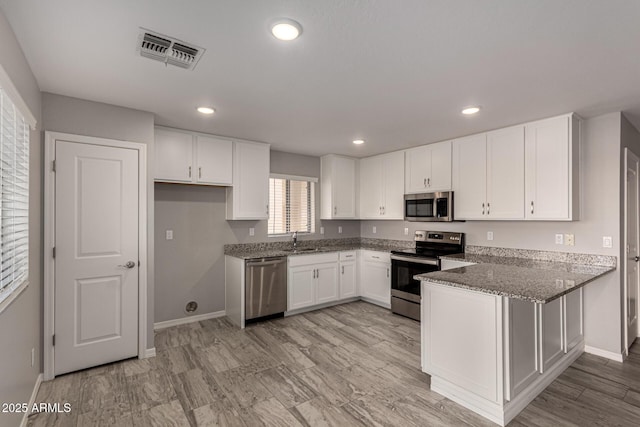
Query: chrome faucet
x=294, y=238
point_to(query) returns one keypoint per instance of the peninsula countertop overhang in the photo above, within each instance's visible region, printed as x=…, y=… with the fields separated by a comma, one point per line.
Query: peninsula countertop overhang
x=538, y=281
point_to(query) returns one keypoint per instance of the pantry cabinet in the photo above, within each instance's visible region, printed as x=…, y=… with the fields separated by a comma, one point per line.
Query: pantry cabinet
x=190, y=158
x=248, y=198
x=382, y=186
x=338, y=186
x=428, y=168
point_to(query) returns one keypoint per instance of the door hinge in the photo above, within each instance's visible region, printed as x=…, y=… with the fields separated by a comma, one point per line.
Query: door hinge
x=53, y=166
x=54, y=251
x=139, y=264
x=54, y=340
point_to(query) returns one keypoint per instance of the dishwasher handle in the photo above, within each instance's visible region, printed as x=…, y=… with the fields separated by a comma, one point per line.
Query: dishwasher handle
x=264, y=263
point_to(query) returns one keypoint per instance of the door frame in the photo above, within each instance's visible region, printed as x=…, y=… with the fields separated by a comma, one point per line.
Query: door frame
x=624, y=256
x=49, y=239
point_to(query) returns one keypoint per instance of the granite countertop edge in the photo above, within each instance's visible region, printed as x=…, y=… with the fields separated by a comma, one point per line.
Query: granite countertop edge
x=321, y=250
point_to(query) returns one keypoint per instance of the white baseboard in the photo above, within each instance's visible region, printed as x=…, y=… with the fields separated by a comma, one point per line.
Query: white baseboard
x=190, y=319
x=149, y=352
x=32, y=400
x=618, y=357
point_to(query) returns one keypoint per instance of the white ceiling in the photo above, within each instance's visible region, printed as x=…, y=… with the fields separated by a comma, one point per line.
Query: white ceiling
x=395, y=73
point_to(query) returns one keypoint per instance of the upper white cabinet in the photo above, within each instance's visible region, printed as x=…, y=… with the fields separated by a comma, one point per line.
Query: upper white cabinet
x=428, y=168
x=248, y=198
x=488, y=175
x=338, y=187
x=382, y=186
x=551, y=171
x=190, y=158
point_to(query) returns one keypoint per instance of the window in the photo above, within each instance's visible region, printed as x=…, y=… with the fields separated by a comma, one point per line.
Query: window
x=14, y=197
x=291, y=204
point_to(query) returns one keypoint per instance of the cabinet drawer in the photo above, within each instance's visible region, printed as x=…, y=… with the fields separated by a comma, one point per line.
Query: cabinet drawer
x=376, y=256
x=296, y=260
x=348, y=256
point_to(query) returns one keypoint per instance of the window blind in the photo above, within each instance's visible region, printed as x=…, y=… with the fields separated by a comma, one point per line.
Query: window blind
x=291, y=206
x=14, y=197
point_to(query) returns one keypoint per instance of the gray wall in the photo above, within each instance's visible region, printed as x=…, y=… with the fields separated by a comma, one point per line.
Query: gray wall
x=191, y=266
x=81, y=117
x=600, y=216
x=21, y=321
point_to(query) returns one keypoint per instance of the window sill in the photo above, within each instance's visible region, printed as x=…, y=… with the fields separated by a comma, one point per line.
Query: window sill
x=12, y=295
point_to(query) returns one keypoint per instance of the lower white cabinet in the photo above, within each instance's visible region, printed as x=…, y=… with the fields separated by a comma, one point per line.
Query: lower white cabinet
x=348, y=274
x=312, y=280
x=375, y=277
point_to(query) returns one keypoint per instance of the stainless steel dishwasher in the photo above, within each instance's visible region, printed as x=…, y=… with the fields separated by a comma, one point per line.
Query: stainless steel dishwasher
x=265, y=287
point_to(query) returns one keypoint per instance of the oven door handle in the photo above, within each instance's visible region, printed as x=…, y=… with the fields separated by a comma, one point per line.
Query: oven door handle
x=415, y=260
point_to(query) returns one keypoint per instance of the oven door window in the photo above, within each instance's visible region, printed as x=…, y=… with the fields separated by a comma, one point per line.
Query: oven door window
x=402, y=273
x=422, y=208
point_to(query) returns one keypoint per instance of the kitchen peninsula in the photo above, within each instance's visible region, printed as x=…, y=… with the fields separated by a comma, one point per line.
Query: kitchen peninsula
x=497, y=330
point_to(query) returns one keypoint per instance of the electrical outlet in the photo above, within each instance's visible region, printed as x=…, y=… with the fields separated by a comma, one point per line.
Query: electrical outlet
x=33, y=357
x=252, y=231
x=169, y=235
x=607, y=242
x=559, y=239
x=406, y=231
x=489, y=235
x=321, y=230
x=374, y=229
x=569, y=239
x=339, y=229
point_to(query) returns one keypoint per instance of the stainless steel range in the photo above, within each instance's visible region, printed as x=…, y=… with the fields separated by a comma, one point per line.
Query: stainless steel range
x=430, y=245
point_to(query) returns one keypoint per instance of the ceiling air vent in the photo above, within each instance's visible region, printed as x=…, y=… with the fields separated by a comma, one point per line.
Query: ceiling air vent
x=166, y=49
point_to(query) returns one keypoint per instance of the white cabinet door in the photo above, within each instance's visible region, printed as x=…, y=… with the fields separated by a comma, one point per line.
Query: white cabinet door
x=214, y=160
x=469, y=177
x=174, y=156
x=249, y=196
x=418, y=169
x=440, y=167
x=548, y=174
x=327, y=283
x=574, y=329
x=348, y=279
x=551, y=333
x=393, y=185
x=371, y=188
x=375, y=281
x=522, y=342
x=344, y=180
x=301, y=287
x=505, y=174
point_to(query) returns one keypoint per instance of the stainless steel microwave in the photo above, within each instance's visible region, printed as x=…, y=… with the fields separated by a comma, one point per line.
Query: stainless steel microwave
x=429, y=206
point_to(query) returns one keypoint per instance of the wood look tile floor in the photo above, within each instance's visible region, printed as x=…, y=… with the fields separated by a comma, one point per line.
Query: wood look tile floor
x=348, y=365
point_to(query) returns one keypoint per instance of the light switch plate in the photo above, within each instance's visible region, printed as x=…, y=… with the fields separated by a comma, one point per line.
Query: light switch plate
x=607, y=242
x=559, y=239
x=339, y=229
x=252, y=231
x=169, y=235
x=321, y=230
x=406, y=231
x=569, y=239
x=374, y=230
x=489, y=235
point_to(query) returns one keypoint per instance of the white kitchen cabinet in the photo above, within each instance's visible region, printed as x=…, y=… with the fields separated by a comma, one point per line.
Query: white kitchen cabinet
x=551, y=333
x=348, y=274
x=213, y=158
x=574, y=325
x=312, y=280
x=191, y=158
x=551, y=171
x=248, y=198
x=524, y=360
x=338, y=185
x=488, y=172
x=375, y=277
x=428, y=168
x=382, y=186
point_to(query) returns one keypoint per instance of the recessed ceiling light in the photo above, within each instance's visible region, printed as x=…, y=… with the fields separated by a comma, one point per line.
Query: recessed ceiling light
x=206, y=110
x=358, y=141
x=470, y=110
x=286, y=29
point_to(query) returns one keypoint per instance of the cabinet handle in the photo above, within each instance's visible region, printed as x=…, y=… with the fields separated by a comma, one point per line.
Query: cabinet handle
x=335, y=210
x=429, y=182
x=189, y=171
x=199, y=172
x=483, y=209
x=387, y=272
x=267, y=209
x=532, y=206
x=425, y=182
x=317, y=273
x=488, y=207
x=343, y=269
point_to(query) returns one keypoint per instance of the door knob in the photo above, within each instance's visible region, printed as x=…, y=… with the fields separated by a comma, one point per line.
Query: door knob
x=129, y=264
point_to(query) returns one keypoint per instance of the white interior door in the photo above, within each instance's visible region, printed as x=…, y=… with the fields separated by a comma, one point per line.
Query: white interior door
x=96, y=264
x=631, y=247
